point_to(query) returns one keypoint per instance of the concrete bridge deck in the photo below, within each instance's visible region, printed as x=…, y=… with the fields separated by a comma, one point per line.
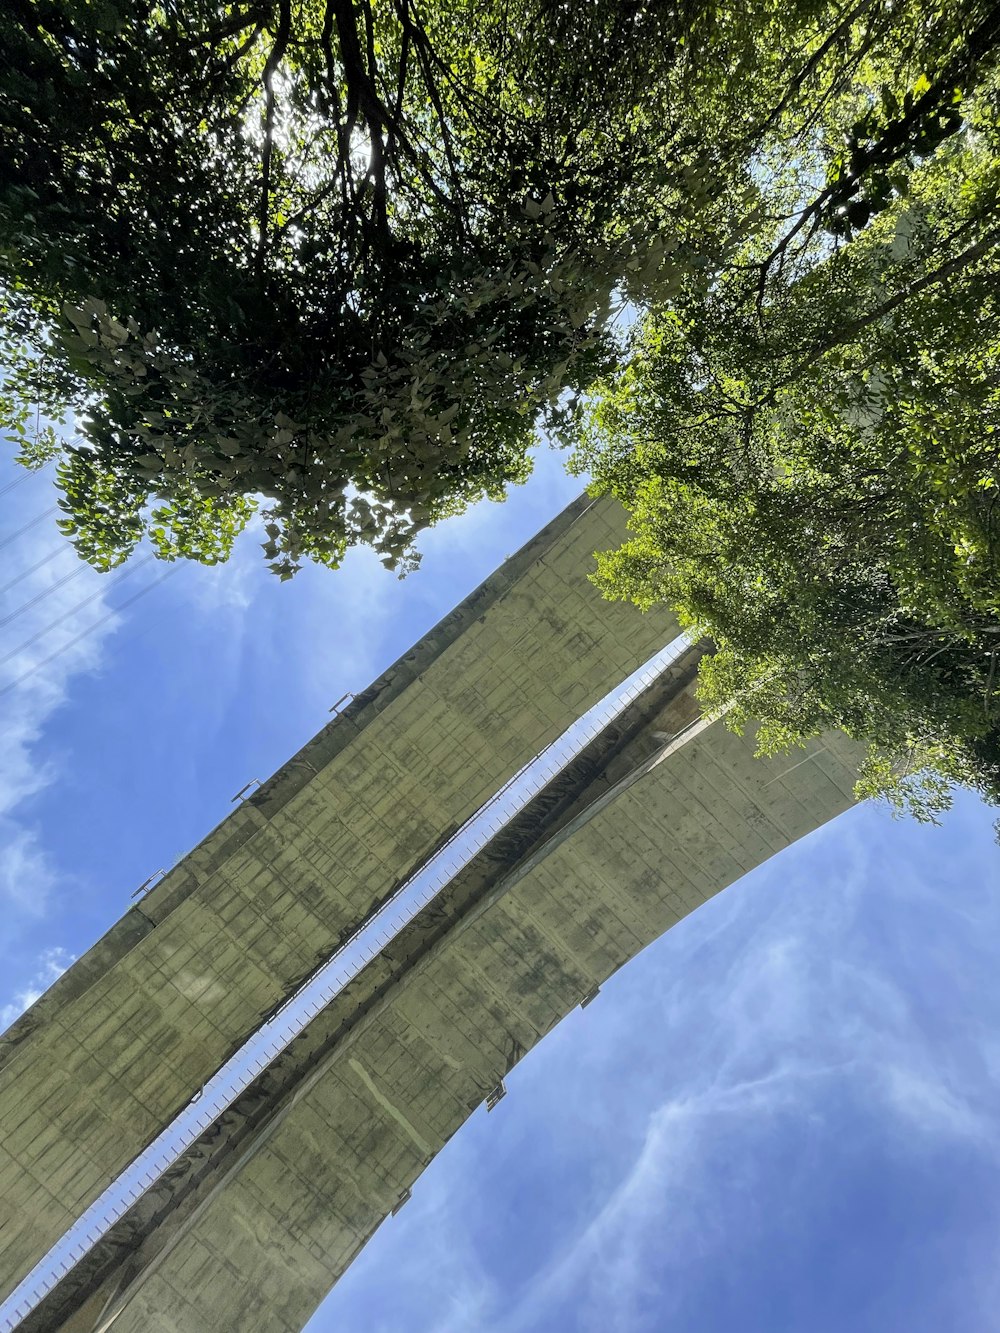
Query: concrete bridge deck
x=93, y=1071
x=250, y=1232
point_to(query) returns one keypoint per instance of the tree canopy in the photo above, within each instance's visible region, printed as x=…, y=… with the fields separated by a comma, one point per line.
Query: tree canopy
x=807, y=433
x=340, y=254
x=344, y=256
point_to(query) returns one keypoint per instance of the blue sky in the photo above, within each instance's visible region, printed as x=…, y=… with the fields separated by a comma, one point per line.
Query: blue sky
x=785, y=1115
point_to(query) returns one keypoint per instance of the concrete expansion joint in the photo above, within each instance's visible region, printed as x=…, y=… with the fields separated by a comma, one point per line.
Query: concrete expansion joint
x=139, y=912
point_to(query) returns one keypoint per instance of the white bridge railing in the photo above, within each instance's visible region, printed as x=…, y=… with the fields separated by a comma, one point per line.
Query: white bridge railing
x=267, y=1043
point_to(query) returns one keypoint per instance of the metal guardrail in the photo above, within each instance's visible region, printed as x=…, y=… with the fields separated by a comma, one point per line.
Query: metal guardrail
x=147, y=884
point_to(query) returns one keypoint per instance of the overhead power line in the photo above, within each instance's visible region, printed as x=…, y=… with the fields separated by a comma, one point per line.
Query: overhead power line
x=46, y=592
x=40, y=634
x=45, y=560
x=102, y=620
x=13, y=536
x=25, y=476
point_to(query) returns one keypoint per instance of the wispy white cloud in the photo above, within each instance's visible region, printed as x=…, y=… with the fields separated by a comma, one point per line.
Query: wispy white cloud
x=780, y=1031
x=604, y=1269
x=794, y=1028
x=35, y=680
x=49, y=967
x=342, y=623
x=41, y=614
x=466, y=1291
x=26, y=876
x=230, y=588
x=922, y=1099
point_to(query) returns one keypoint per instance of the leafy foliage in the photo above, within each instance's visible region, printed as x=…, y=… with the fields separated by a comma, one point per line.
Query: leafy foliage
x=345, y=254
x=807, y=432
x=340, y=254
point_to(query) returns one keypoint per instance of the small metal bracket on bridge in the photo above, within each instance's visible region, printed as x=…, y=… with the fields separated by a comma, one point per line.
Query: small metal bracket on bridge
x=497, y=1095
x=590, y=997
x=403, y=1199
x=243, y=790
x=147, y=884
x=336, y=709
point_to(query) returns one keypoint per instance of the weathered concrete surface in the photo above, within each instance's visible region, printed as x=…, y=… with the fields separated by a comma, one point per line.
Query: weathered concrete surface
x=297, y=1180
x=622, y=751
x=96, y=1068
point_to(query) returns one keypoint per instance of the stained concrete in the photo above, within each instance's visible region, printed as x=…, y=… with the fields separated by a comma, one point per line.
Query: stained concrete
x=97, y=1067
x=346, y=1121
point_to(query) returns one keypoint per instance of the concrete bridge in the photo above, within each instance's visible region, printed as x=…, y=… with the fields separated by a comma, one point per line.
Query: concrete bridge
x=255, y=1221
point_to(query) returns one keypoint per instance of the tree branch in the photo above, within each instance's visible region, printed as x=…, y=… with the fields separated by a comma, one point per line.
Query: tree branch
x=274, y=59
x=895, y=141
x=849, y=331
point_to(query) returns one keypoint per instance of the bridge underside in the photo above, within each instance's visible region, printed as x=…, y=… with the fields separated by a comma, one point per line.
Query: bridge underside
x=251, y=1228
x=97, y=1067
